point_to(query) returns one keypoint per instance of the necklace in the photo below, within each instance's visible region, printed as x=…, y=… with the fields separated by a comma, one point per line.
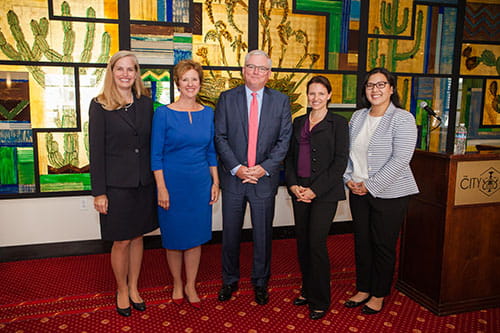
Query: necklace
x=128, y=105
x=314, y=122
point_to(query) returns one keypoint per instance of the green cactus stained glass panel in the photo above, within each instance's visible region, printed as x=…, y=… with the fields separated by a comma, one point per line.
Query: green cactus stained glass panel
x=101, y=9
x=27, y=35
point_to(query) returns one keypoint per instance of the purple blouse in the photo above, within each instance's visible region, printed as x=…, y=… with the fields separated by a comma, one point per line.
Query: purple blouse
x=304, y=158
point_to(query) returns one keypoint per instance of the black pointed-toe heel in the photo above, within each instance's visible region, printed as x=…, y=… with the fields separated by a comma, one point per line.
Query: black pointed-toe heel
x=300, y=301
x=354, y=304
x=369, y=311
x=126, y=312
x=317, y=314
x=138, y=306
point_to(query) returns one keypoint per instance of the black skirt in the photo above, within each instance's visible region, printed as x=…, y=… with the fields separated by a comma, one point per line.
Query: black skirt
x=131, y=213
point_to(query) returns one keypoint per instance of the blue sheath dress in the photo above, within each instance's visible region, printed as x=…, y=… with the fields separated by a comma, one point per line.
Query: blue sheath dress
x=184, y=151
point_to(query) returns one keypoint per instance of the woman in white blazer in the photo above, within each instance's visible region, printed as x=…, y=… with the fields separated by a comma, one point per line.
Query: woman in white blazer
x=378, y=175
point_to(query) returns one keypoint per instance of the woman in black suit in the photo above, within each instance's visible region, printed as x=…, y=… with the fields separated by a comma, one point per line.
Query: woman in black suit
x=315, y=163
x=122, y=181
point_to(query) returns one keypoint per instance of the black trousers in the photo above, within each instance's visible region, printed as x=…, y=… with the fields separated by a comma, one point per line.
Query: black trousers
x=312, y=225
x=233, y=214
x=377, y=223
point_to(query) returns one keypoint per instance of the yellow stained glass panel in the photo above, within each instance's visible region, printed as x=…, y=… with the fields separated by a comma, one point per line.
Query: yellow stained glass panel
x=398, y=8
x=84, y=42
x=491, y=112
x=104, y=9
x=399, y=55
x=225, y=35
x=478, y=59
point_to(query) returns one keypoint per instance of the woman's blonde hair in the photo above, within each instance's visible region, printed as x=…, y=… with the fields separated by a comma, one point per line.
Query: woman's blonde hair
x=110, y=98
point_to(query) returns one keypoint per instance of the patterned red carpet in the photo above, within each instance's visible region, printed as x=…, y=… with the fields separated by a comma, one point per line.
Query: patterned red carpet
x=76, y=294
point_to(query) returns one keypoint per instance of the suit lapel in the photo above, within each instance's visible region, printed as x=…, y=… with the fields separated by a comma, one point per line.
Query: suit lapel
x=356, y=126
x=242, y=110
x=299, y=126
x=139, y=117
x=126, y=118
x=383, y=125
x=324, y=124
x=265, y=114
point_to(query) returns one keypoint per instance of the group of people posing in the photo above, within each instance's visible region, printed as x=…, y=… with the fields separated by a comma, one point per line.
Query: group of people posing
x=167, y=167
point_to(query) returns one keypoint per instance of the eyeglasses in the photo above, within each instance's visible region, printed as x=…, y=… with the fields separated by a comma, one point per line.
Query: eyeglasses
x=261, y=69
x=379, y=85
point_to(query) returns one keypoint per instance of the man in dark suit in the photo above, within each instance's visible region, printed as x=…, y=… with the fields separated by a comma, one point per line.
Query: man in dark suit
x=248, y=175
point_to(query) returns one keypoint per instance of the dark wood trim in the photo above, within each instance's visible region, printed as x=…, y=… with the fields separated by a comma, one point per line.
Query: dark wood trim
x=253, y=25
x=363, y=48
x=455, y=76
x=124, y=25
x=445, y=309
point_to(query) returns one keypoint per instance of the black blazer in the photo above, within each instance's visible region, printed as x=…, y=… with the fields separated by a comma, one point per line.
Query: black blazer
x=329, y=155
x=119, y=149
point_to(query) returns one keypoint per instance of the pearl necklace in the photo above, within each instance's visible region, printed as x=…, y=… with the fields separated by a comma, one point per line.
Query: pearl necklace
x=314, y=122
x=128, y=105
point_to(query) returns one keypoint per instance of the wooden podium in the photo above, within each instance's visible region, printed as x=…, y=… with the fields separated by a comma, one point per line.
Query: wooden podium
x=450, y=242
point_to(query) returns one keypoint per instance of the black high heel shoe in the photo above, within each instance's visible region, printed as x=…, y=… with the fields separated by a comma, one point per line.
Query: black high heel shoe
x=354, y=304
x=138, y=306
x=126, y=312
x=317, y=314
x=300, y=301
x=369, y=311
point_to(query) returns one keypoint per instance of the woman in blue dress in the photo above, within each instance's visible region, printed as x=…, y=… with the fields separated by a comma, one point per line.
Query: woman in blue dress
x=184, y=163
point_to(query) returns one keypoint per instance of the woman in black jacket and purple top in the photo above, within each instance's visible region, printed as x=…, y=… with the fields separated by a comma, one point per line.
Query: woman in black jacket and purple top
x=315, y=163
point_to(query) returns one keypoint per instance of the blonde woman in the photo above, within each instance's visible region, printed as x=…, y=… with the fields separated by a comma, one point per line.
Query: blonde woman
x=122, y=181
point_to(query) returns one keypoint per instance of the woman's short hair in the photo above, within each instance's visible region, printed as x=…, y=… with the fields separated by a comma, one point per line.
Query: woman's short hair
x=185, y=65
x=391, y=79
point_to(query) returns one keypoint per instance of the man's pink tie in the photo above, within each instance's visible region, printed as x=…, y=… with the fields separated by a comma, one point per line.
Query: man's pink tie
x=253, y=127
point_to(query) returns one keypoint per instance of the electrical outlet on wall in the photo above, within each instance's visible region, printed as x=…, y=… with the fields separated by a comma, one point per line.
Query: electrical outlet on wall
x=84, y=204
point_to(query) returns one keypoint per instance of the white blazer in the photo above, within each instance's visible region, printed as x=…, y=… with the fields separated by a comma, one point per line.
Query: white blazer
x=389, y=153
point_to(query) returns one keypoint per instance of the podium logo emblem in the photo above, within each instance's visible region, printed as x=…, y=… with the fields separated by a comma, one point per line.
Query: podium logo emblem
x=489, y=181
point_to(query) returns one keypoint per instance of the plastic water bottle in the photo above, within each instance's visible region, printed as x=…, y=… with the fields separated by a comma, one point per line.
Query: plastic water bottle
x=460, y=139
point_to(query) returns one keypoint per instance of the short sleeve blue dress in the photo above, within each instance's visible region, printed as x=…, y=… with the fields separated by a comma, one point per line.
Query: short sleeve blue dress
x=183, y=147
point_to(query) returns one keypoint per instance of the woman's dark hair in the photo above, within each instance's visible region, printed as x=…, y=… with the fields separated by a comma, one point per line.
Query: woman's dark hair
x=392, y=82
x=321, y=80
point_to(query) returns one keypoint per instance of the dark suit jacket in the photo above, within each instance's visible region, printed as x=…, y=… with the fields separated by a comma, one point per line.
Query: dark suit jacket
x=231, y=137
x=120, y=150
x=329, y=155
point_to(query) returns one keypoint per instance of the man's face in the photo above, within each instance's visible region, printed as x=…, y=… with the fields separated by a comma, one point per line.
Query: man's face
x=256, y=72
